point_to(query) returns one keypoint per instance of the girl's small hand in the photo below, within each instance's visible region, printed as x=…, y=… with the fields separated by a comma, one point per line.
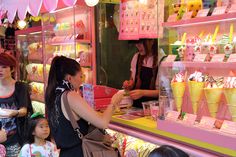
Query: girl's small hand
x=136, y=94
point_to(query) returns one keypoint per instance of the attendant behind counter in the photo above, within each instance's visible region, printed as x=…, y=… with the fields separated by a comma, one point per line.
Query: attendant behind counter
x=144, y=67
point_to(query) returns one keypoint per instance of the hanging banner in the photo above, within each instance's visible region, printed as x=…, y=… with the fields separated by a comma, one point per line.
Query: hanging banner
x=35, y=6
x=69, y=2
x=22, y=8
x=50, y=5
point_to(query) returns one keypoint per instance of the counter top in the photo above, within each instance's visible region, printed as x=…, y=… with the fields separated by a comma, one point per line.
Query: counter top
x=146, y=129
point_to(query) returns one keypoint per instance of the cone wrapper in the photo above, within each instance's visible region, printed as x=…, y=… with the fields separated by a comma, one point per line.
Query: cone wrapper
x=213, y=96
x=230, y=95
x=178, y=89
x=195, y=90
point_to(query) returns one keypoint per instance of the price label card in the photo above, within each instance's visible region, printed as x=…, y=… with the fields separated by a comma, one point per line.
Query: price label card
x=232, y=8
x=172, y=18
x=218, y=58
x=200, y=57
x=189, y=119
x=207, y=122
x=228, y=127
x=219, y=10
x=172, y=115
x=170, y=58
x=203, y=13
x=232, y=58
x=187, y=15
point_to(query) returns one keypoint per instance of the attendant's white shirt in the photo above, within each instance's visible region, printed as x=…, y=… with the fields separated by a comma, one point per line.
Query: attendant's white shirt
x=47, y=150
x=147, y=62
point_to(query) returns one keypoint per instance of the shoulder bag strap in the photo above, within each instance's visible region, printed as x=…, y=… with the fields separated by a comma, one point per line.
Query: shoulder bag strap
x=70, y=115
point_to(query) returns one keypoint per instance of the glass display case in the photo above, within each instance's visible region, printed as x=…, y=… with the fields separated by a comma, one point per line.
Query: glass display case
x=68, y=32
x=29, y=44
x=197, y=78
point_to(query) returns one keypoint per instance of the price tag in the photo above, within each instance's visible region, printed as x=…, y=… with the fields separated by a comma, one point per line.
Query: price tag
x=218, y=58
x=172, y=115
x=207, y=122
x=200, y=58
x=170, y=58
x=203, y=13
x=189, y=119
x=232, y=8
x=228, y=127
x=219, y=10
x=172, y=18
x=187, y=15
x=232, y=58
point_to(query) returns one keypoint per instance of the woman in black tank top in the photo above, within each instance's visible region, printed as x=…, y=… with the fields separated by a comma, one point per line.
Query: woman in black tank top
x=65, y=74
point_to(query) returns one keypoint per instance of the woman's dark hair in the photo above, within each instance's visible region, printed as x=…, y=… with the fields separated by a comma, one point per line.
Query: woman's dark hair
x=31, y=128
x=167, y=151
x=60, y=67
x=154, y=65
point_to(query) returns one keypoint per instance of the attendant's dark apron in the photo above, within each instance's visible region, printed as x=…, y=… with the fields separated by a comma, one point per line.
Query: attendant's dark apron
x=146, y=75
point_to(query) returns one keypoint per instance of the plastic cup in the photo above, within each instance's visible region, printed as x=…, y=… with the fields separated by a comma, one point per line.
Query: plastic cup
x=154, y=109
x=146, y=108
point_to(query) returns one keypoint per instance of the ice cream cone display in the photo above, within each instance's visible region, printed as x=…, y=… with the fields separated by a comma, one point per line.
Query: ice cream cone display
x=196, y=84
x=230, y=95
x=178, y=89
x=213, y=92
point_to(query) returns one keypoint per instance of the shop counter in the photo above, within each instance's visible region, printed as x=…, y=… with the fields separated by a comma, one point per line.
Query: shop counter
x=146, y=129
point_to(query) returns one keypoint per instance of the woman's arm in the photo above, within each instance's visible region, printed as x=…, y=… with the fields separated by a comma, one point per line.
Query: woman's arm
x=138, y=93
x=14, y=113
x=83, y=110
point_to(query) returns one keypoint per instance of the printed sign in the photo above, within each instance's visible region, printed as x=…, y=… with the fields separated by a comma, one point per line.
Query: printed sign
x=218, y=58
x=172, y=18
x=232, y=58
x=187, y=15
x=228, y=127
x=170, y=58
x=172, y=115
x=189, y=119
x=88, y=94
x=232, y=8
x=207, y=122
x=203, y=13
x=200, y=58
x=219, y=10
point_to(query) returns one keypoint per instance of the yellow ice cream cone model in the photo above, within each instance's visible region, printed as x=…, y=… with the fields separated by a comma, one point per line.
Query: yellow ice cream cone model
x=230, y=95
x=178, y=89
x=195, y=90
x=213, y=96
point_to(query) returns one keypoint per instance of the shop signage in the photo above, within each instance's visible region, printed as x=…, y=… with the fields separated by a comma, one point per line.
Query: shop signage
x=218, y=58
x=172, y=115
x=203, y=13
x=232, y=58
x=219, y=10
x=189, y=118
x=170, y=58
x=88, y=94
x=228, y=127
x=232, y=8
x=200, y=58
x=187, y=15
x=207, y=122
x=172, y=18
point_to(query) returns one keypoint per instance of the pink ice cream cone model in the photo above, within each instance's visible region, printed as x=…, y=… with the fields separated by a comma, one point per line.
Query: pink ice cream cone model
x=213, y=92
x=212, y=51
x=178, y=89
x=190, y=47
x=196, y=85
x=230, y=95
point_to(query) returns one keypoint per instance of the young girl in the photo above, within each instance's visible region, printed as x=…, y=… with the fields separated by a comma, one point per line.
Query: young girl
x=37, y=145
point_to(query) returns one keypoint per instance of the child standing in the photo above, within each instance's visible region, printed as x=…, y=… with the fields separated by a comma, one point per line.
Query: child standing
x=37, y=144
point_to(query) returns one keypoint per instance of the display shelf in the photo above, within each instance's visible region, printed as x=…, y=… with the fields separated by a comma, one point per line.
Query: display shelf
x=201, y=20
x=146, y=129
x=69, y=42
x=196, y=65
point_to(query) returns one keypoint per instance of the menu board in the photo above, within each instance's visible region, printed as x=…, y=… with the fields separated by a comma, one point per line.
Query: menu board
x=140, y=20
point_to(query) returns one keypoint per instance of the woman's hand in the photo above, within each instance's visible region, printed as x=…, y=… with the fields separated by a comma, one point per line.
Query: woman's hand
x=136, y=94
x=116, y=99
x=3, y=136
x=128, y=84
